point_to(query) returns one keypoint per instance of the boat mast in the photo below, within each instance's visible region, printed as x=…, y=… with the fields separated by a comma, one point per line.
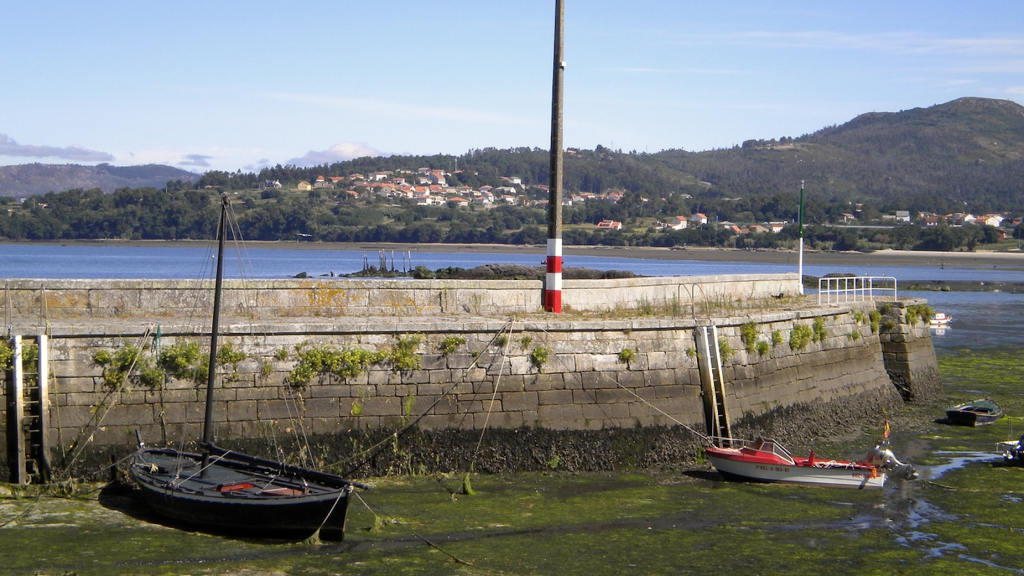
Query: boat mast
x=215, y=329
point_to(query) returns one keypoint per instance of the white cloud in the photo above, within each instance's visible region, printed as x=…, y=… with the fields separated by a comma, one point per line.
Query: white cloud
x=668, y=71
x=336, y=153
x=8, y=147
x=257, y=165
x=393, y=109
x=199, y=160
x=905, y=42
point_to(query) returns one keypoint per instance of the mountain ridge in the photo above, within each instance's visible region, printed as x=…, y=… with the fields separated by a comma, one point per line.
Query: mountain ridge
x=966, y=150
x=37, y=178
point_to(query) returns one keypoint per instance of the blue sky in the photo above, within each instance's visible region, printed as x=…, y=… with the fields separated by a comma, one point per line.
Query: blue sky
x=240, y=85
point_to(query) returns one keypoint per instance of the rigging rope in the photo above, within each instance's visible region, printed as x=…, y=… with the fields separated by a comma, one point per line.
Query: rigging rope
x=78, y=446
x=303, y=442
x=375, y=449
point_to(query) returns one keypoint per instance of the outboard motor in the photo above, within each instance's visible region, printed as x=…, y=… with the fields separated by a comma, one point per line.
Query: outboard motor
x=882, y=457
x=1013, y=452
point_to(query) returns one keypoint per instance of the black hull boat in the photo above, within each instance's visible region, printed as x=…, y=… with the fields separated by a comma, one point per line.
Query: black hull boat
x=240, y=494
x=225, y=492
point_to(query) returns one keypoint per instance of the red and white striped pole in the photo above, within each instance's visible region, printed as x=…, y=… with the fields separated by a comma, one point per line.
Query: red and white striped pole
x=553, y=278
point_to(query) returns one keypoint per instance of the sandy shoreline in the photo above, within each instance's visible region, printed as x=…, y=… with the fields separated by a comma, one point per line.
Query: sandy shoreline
x=981, y=259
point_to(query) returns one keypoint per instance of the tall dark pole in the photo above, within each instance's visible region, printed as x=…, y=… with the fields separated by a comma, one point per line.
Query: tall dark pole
x=553, y=278
x=215, y=329
x=800, y=229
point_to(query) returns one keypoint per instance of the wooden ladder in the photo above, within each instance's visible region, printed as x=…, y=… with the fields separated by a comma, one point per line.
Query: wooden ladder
x=712, y=384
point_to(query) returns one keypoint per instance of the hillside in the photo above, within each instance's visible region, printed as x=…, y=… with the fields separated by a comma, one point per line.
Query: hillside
x=966, y=152
x=969, y=150
x=35, y=179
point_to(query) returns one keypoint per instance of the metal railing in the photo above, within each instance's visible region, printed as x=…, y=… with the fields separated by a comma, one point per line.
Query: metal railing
x=842, y=289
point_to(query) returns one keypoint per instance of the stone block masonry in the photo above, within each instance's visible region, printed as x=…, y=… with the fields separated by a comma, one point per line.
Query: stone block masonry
x=64, y=299
x=619, y=370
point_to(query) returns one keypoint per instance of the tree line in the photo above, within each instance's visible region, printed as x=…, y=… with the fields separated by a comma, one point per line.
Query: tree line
x=332, y=216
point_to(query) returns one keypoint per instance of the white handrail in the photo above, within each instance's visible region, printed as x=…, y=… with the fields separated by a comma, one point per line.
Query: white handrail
x=840, y=289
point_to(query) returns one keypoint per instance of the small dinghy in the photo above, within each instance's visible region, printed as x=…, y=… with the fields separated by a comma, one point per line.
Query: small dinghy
x=976, y=413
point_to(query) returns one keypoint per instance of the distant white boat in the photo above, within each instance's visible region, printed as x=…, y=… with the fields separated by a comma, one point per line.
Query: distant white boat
x=940, y=319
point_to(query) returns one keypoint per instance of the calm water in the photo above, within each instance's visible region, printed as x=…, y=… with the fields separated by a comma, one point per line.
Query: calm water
x=152, y=262
x=981, y=319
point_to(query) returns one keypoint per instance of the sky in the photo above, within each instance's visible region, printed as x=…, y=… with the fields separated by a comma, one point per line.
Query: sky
x=230, y=85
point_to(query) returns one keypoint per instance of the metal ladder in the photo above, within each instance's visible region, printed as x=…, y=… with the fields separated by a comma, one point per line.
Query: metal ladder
x=27, y=415
x=712, y=384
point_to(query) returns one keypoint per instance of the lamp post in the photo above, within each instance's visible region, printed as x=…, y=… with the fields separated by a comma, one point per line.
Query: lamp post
x=800, y=230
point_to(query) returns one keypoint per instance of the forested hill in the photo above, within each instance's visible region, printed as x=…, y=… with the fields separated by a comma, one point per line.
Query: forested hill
x=935, y=159
x=35, y=179
x=926, y=159
x=969, y=150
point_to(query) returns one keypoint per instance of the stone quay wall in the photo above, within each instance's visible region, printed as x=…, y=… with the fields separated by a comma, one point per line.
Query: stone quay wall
x=38, y=301
x=623, y=368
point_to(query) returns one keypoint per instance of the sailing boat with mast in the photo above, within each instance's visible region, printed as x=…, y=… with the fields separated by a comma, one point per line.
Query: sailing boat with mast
x=219, y=490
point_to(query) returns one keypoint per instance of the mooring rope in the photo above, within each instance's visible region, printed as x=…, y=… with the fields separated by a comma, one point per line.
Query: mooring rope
x=373, y=450
x=411, y=531
x=494, y=395
x=78, y=445
x=704, y=437
x=31, y=509
x=347, y=490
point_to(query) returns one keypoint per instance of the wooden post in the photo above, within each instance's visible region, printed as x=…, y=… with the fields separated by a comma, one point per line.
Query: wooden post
x=553, y=278
x=707, y=383
x=15, y=417
x=43, y=457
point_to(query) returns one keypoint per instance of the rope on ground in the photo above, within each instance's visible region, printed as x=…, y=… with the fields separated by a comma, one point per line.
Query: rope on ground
x=943, y=486
x=17, y=517
x=466, y=486
x=411, y=531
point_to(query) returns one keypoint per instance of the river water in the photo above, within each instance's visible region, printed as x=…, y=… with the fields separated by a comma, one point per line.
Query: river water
x=188, y=262
x=982, y=319
x=965, y=515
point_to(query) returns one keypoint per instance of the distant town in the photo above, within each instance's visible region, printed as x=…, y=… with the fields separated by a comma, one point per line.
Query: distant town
x=429, y=187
